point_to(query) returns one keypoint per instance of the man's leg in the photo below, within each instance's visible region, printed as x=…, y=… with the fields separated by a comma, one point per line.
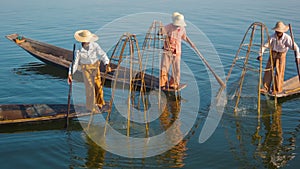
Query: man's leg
x=165, y=67
x=280, y=69
x=267, y=79
x=175, y=72
x=88, y=76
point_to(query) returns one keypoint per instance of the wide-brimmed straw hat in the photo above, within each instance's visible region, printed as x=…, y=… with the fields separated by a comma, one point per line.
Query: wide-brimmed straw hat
x=85, y=36
x=179, y=20
x=281, y=27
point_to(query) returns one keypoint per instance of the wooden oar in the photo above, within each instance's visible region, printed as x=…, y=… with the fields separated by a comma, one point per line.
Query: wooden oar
x=70, y=89
x=295, y=52
x=206, y=63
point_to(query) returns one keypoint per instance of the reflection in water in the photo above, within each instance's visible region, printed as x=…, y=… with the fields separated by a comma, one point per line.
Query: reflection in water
x=97, y=157
x=41, y=69
x=78, y=143
x=272, y=151
x=269, y=144
x=168, y=117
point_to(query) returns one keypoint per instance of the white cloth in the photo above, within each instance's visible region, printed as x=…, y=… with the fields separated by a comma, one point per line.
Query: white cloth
x=282, y=44
x=90, y=56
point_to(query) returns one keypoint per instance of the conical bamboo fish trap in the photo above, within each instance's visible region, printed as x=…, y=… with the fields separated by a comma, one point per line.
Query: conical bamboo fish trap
x=250, y=48
x=138, y=71
x=127, y=75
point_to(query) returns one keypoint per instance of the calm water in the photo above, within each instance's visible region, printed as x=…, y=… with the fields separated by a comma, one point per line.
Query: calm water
x=240, y=141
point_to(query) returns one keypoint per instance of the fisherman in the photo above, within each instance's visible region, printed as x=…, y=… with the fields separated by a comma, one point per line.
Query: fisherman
x=280, y=43
x=87, y=58
x=176, y=32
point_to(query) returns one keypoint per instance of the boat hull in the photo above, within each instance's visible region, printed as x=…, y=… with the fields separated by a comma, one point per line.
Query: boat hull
x=25, y=113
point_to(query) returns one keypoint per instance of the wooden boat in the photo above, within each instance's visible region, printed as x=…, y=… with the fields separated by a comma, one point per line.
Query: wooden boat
x=45, y=52
x=291, y=87
x=26, y=113
x=62, y=58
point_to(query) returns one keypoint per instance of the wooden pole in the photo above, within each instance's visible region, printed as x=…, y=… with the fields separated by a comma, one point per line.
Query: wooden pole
x=237, y=54
x=114, y=81
x=244, y=69
x=70, y=89
x=260, y=72
x=206, y=63
x=295, y=52
x=143, y=85
x=130, y=86
x=272, y=67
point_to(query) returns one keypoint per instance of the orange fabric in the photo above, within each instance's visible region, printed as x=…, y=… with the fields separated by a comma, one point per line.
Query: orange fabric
x=20, y=41
x=93, y=87
x=98, y=89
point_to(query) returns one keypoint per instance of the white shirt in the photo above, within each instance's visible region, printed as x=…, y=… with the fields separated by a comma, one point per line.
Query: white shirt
x=282, y=44
x=89, y=56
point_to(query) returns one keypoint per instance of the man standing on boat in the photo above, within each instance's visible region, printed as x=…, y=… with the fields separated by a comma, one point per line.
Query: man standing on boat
x=87, y=58
x=280, y=43
x=176, y=32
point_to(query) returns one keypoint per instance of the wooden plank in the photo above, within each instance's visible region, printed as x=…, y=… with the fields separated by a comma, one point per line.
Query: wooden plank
x=10, y=114
x=290, y=87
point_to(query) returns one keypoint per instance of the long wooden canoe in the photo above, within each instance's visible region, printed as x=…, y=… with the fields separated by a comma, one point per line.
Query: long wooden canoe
x=62, y=58
x=25, y=113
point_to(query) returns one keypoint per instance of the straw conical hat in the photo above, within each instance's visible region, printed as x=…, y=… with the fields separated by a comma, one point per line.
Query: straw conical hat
x=85, y=36
x=281, y=27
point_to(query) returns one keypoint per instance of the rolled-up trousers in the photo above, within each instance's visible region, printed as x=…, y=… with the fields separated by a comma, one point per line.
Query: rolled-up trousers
x=279, y=59
x=93, y=86
x=169, y=59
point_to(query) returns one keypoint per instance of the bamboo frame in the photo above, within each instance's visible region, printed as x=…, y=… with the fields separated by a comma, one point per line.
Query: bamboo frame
x=152, y=49
x=244, y=69
x=127, y=43
x=253, y=27
x=155, y=40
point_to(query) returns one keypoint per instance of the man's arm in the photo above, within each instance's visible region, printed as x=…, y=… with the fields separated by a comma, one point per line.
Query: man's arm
x=262, y=50
x=75, y=66
x=293, y=47
x=103, y=58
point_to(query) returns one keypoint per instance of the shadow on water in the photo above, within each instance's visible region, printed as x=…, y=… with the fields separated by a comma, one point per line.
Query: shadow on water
x=39, y=68
x=40, y=126
x=56, y=72
x=289, y=98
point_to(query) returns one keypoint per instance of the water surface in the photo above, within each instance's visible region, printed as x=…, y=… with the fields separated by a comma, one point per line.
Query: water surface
x=241, y=141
